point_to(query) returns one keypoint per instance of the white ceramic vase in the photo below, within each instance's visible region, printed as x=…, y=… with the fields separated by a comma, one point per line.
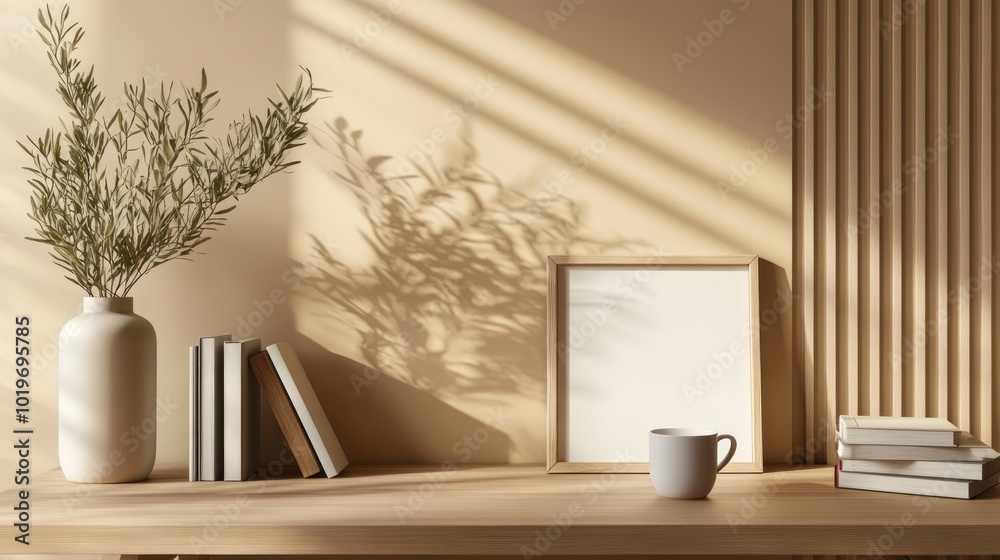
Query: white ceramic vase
x=107, y=394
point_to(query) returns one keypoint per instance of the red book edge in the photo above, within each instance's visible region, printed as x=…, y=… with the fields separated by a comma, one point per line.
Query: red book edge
x=836, y=473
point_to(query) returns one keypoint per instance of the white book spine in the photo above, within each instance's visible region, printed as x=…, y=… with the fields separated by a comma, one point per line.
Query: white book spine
x=210, y=434
x=193, y=405
x=241, y=409
x=307, y=406
x=960, y=470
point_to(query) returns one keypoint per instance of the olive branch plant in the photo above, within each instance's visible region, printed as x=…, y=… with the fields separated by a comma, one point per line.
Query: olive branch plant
x=116, y=196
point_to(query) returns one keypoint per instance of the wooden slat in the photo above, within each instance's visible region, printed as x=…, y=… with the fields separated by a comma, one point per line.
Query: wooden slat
x=915, y=203
x=826, y=185
x=804, y=214
x=982, y=248
x=958, y=83
x=937, y=202
x=553, y=338
x=757, y=448
x=847, y=186
x=892, y=226
x=870, y=287
x=995, y=179
x=888, y=325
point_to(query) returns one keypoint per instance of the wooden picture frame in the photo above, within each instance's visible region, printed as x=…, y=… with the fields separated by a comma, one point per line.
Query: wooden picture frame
x=610, y=318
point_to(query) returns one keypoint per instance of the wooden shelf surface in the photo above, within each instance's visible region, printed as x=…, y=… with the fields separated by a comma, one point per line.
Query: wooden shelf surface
x=495, y=510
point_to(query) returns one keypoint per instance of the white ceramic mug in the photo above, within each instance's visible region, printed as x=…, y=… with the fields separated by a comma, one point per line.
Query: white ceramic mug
x=683, y=462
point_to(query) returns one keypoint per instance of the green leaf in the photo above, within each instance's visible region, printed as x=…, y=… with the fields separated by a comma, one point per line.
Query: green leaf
x=168, y=183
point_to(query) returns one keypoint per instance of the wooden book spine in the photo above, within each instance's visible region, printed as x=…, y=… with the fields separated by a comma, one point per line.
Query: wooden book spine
x=284, y=412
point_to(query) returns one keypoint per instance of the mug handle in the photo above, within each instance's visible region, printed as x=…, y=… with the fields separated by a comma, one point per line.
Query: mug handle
x=732, y=450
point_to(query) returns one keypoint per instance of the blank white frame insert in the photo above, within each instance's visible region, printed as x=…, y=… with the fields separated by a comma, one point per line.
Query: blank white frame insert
x=640, y=343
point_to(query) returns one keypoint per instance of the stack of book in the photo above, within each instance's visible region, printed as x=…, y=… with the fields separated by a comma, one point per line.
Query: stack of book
x=923, y=456
x=226, y=379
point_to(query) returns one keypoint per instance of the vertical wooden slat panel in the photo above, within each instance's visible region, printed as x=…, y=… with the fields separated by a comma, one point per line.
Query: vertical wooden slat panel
x=805, y=211
x=847, y=190
x=826, y=187
x=892, y=226
x=937, y=202
x=896, y=211
x=958, y=84
x=870, y=330
x=995, y=36
x=914, y=202
x=981, y=363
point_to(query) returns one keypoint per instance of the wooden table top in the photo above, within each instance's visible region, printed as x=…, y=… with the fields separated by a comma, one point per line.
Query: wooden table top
x=508, y=509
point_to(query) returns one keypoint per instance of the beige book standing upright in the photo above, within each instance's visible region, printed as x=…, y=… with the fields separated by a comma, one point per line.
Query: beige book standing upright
x=193, y=417
x=240, y=410
x=210, y=408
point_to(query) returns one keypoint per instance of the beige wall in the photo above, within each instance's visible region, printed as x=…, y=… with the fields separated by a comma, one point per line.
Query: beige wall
x=444, y=365
x=896, y=230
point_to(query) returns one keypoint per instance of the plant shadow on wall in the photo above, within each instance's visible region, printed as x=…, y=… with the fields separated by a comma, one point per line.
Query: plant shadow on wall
x=453, y=300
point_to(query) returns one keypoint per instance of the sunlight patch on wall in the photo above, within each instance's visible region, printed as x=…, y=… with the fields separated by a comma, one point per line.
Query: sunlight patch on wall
x=442, y=85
